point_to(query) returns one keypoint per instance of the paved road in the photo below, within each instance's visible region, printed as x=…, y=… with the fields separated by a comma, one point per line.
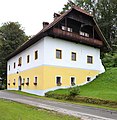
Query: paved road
x=85, y=113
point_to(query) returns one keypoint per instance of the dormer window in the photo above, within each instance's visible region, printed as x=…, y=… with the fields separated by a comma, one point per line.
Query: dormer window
x=67, y=29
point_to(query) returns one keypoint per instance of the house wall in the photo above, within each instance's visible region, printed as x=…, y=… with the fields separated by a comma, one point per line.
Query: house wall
x=51, y=44
x=47, y=67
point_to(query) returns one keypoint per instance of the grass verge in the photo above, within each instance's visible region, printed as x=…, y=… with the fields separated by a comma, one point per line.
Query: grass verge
x=15, y=111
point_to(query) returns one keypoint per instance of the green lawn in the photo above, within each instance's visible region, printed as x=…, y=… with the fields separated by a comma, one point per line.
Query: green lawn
x=103, y=87
x=15, y=111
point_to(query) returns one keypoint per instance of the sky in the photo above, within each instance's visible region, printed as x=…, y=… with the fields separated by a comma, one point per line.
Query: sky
x=29, y=13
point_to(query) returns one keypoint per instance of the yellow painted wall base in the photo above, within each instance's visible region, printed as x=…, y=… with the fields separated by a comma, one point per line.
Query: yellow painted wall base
x=47, y=77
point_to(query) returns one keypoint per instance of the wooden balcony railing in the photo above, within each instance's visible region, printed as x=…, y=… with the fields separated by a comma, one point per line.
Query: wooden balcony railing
x=76, y=37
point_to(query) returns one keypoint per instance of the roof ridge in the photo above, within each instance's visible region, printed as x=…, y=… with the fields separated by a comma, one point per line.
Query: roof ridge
x=81, y=10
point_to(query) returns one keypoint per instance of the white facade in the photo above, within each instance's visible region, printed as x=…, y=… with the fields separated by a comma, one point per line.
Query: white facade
x=47, y=56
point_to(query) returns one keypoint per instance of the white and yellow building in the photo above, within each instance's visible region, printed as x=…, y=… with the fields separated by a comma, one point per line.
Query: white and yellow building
x=64, y=53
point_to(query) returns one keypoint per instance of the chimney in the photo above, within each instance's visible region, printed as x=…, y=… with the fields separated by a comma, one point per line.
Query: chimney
x=45, y=24
x=56, y=15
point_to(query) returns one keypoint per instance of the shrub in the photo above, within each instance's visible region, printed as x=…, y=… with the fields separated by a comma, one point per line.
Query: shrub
x=74, y=91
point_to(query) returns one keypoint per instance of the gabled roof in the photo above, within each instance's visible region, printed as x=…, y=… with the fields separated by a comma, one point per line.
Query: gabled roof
x=43, y=33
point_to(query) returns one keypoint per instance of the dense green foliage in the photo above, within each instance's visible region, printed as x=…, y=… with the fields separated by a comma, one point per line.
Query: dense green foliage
x=103, y=87
x=15, y=111
x=11, y=37
x=74, y=91
x=110, y=59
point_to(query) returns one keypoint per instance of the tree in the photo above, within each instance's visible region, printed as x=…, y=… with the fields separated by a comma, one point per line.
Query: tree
x=12, y=36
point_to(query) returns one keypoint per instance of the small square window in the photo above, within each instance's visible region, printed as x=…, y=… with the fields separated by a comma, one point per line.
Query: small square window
x=88, y=79
x=90, y=59
x=63, y=28
x=69, y=29
x=73, y=56
x=86, y=35
x=59, y=54
x=36, y=54
x=28, y=58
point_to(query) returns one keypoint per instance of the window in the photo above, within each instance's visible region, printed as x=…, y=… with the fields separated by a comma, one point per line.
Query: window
x=27, y=83
x=28, y=58
x=81, y=33
x=35, y=81
x=90, y=59
x=67, y=29
x=88, y=79
x=63, y=28
x=23, y=81
x=36, y=54
x=20, y=61
x=14, y=65
x=9, y=67
x=84, y=34
x=58, y=81
x=73, y=56
x=14, y=82
x=72, y=81
x=59, y=54
x=9, y=82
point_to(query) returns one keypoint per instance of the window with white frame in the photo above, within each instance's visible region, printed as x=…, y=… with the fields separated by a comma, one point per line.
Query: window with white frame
x=84, y=34
x=58, y=54
x=28, y=58
x=23, y=81
x=69, y=29
x=14, y=65
x=73, y=56
x=9, y=67
x=27, y=82
x=58, y=81
x=14, y=82
x=35, y=80
x=9, y=82
x=88, y=79
x=36, y=54
x=72, y=81
x=89, y=59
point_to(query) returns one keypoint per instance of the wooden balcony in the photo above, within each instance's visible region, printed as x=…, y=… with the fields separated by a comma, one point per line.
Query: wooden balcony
x=75, y=37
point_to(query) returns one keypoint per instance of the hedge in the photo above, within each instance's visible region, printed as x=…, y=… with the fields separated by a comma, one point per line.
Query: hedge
x=83, y=99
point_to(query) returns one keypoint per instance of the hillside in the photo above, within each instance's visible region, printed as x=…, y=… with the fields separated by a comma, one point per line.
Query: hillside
x=103, y=87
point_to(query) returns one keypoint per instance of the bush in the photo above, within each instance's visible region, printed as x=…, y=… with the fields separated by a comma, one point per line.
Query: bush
x=82, y=99
x=110, y=59
x=74, y=91
x=2, y=87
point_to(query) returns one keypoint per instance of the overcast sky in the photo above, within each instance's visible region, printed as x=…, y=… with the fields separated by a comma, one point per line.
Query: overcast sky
x=29, y=13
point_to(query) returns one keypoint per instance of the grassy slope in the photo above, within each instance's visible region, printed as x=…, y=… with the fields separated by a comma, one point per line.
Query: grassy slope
x=103, y=87
x=15, y=111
